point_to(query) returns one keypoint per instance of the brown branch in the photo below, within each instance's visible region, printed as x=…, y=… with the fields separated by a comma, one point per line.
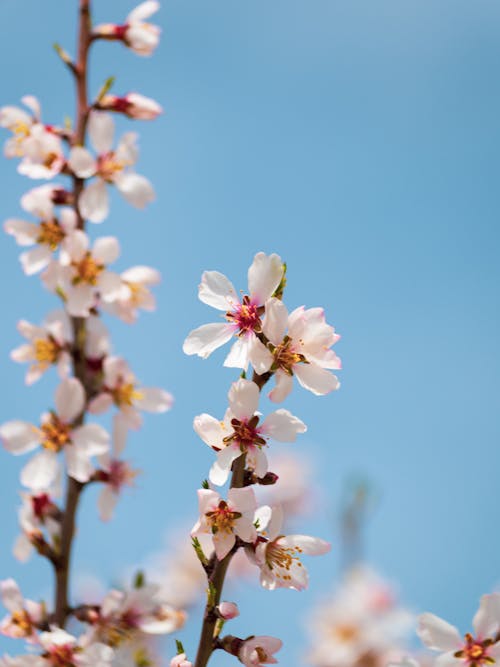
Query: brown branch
x=74, y=488
x=208, y=642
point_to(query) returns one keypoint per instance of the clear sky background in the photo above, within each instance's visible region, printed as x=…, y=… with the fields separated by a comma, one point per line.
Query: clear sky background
x=359, y=140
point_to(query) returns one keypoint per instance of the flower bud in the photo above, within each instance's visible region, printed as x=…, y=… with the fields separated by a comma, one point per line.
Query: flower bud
x=132, y=105
x=180, y=661
x=228, y=610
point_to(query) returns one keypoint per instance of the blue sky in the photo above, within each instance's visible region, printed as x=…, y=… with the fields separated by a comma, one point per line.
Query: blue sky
x=361, y=142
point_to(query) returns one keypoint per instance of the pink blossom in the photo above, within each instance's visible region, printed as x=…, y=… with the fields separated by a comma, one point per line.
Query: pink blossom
x=257, y=651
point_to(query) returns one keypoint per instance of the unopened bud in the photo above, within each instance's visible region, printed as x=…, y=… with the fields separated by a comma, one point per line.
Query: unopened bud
x=227, y=610
x=132, y=105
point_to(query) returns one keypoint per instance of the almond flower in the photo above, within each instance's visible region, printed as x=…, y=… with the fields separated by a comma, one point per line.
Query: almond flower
x=20, y=123
x=37, y=513
x=474, y=650
x=226, y=520
x=136, y=33
x=61, y=648
x=81, y=273
x=57, y=433
x=25, y=615
x=304, y=351
x=257, y=651
x=46, y=236
x=240, y=431
x=110, y=167
x=48, y=345
x=278, y=555
x=119, y=387
x=134, y=293
x=40, y=201
x=43, y=154
x=133, y=105
x=124, y=614
x=243, y=316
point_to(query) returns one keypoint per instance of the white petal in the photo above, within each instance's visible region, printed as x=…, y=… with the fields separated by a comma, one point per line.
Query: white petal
x=243, y=500
x=106, y=249
x=283, y=426
x=101, y=403
x=316, y=379
x=74, y=247
x=143, y=11
x=486, y=622
x=81, y=162
x=438, y=634
x=11, y=595
x=120, y=432
x=239, y=354
x=207, y=338
x=210, y=430
x=90, y=439
x=19, y=437
x=110, y=286
x=219, y=472
x=243, y=399
x=106, y=503
x=78, y=464
x=144, y=275
x=69, y=399
x=275, y=321
x=217, y=291
x=264, y=276
x=101, y=131
x=40, y=471
x=312, y=546
x=136, y=189
x=22, y=548
x=448, y=660
x=36, y=259
x=223, y=543
x=25, y=233
x=260, y=357
x=245, y=529
x=93, y=202
x=80, y=299
x=284, y=384
x=154, y=399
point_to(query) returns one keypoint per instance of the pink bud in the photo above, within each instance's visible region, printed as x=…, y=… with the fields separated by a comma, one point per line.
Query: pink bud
x=132, y=105
x=180, y=661
x=228, y=610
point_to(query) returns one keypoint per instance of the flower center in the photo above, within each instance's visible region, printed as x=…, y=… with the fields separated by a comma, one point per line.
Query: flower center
x=245, y=316
x=51, y=234
x=475, y=652
x=137, y=293
x=120, y=474
x=222, y=519
x=62, y=656
x=55, y=434
x=245, y=434
x=285, y=356
x=125, y=394
x=46, y=350
x=40, y=504
x=49, y=159
x=108, y=166
x=345, y=632
x=281, y=559
x=87, y=270
x=261, y=654
x=22, y=621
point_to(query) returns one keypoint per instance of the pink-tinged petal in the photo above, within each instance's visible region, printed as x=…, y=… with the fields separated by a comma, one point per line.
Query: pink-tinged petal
x=38, y=201
x=244, y=528
x=219, y=472
x=120, y=432
x=275, y=523
x=127, y=150
x=207, y=500
x=243, y=399
x=260, y=357
x=438, y=634
x=217, y=291
x=93, y=202
x=22, y=549
x=207, y=338
x=284, y=384
x=80, y=299
x=25, y=233
x=144, y=275
x=154, y=399
x=35, y=260
x=131, y=417
x=283, y=426
x=486, y=622
x=242, y=500
x=40, y=471
x=81, y=162
x=30, y=331
x=101, y=403
x=23, y=353
x=312, y=546
x=110, y=286
x=115, y=370
x=494, y=652
x=316, y=379
x=68, y=219
x=239, y=354
x=96, y=655
x=11, y=596
x=106, y=250
x=33, y=105
x=19, y=437
x=223, y=543
x=78, y=464
x=264, y=276
x=70, y=399
x=64, y=365
x=261, y=464
x=143, y=11
x=74, y=247
x=275, y=321
x=136, y=189
x=106, y=503
x=210, y=430
x=101, y=129
x=448, y=660
x=90, y=439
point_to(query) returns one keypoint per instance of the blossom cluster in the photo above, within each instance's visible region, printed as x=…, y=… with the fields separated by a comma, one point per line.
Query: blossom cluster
x=71, y=451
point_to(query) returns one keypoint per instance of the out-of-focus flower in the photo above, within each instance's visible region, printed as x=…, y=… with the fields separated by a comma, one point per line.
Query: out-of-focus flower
x=119, y=387
x=20, y=123
x=180, y=660
x=133, y=105
x=226, y=520
x=61, y=648
x=136, y=33
x=243, y=316
x=278, y=555
x=304, y=351
x=57, y=433
x=240, y=431
x=110, y=167
x=25, y=615
x=37, y=513
x=135, y=293
x=476, y=650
